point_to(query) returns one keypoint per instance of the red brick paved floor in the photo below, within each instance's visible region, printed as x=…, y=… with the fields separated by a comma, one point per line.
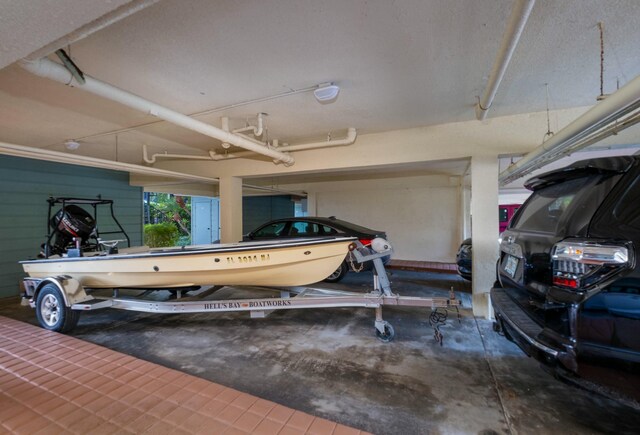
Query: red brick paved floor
x=53, y=383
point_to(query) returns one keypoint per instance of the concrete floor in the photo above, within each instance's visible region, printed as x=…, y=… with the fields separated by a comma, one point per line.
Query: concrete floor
x=329, y=363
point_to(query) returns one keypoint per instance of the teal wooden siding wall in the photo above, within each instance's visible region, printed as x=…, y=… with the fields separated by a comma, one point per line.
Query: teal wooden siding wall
x=25, y=186
x=257, y=210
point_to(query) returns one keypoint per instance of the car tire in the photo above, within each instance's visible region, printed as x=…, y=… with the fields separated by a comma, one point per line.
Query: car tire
x=339, y=273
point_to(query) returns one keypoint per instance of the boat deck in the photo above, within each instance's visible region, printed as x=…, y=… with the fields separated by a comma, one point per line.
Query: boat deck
x=54, y=383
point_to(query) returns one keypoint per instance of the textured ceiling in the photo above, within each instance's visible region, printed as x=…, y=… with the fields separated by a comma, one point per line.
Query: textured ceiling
x=27, y=25
x=400, y=64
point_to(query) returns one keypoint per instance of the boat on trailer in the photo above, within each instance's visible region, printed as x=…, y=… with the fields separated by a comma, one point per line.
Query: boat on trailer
x=76, y=263
x=290, y=263
x=74, y=247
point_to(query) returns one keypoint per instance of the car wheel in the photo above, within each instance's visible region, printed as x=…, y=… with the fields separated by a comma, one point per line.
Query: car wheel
x=339, y=273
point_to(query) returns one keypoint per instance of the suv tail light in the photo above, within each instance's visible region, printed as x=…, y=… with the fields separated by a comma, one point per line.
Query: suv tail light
x=581, y=264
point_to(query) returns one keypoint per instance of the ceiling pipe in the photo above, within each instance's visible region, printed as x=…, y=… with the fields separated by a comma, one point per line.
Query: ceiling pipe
x=275, y=190
x=100, y=23
x=212, y=156
x=348, y=140
x=202, y=113
x=225, y=126
x=151, y=160
x=352, y=134
x=252, y=139
x=600, y=135
x=47, y=68
x=578, y=133
x=257, y=130
x=517, y=21
x=55, y=156
x=228, y=156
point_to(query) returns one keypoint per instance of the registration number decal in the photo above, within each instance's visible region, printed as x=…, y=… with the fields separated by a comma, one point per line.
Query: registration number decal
x=249, y=259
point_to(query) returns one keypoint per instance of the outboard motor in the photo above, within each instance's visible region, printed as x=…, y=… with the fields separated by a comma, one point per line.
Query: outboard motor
x=73, y=226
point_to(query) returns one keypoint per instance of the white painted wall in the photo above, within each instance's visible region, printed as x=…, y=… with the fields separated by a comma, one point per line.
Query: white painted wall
x=419, y=214
x=420, y=222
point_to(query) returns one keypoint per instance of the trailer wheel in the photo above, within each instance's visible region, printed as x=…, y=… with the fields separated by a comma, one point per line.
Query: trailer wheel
x=388, y=334
x=51, y=311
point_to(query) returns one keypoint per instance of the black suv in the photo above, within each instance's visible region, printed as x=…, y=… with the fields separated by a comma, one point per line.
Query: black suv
x=568, y=288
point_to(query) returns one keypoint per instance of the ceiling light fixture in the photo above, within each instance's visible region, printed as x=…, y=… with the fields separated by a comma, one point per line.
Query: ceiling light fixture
x=72, y=145
x=326, y=93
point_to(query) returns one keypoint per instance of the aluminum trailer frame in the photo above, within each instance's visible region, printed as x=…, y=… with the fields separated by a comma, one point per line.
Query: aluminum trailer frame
x=60, y=312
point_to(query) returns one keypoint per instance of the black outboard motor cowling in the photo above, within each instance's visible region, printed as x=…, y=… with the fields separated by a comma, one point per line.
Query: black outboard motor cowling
x=71, y=222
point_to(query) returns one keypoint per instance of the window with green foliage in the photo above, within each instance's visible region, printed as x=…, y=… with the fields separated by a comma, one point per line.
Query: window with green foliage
x=171, y=211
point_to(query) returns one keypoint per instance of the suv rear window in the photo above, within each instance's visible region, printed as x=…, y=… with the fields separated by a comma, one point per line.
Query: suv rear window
x=627, y=209
x=566, y=206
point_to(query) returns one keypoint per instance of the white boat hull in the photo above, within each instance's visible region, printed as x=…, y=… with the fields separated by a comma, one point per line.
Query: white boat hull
x=291, y=263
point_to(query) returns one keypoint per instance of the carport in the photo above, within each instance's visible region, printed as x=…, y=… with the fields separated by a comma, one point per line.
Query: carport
x=415, y=117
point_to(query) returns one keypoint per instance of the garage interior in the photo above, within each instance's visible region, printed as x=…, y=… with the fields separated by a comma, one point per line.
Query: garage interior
x=415, y=117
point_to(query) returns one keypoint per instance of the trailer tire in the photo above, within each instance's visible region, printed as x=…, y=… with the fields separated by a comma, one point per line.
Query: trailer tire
x=388, y=335
x=52, y=312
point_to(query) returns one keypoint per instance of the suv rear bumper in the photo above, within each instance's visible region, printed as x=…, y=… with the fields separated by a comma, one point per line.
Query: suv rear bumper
x=521, y=329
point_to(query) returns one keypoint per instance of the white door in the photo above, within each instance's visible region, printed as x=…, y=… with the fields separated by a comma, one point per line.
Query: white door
x=205, y=220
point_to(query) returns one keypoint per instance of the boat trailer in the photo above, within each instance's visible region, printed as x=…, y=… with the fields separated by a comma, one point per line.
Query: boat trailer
x=59, y=300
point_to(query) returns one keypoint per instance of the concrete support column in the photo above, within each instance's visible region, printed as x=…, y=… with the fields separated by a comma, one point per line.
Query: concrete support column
x=484, y=226
x=230, y=209
x=312, y=204
x=466, y=211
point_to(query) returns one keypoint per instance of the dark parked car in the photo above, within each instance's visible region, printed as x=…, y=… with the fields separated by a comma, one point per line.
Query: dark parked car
x=319, y=227
x=463, y=259
x=569, y=275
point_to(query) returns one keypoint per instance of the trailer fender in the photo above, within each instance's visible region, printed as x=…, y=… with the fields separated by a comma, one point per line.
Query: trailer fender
x=71, y=289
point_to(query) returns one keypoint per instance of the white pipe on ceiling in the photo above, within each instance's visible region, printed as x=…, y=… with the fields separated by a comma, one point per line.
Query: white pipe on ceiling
x=100, y=23
x=257, y=130
x=151, y=160
x=517, y=21
x=202, y=113
x=55, y=156
x=275, y=190
x=225, y=126
x=227, y=156
x=351, y=138
x=348, y=140
x=47, y=68
x=622, y=102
